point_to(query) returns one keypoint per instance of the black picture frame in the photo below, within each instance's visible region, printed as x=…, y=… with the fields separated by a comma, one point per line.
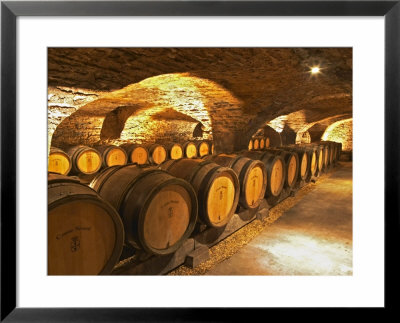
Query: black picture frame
x=10, y=10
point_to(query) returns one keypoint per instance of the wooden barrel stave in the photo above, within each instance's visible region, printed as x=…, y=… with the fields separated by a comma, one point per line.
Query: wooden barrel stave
x=256, y=144
x=59, y=161
x=157, y=154
x=85, y=233
x=158, y=210
x=252, y=178
x=210, y=182
x=203, y=148
x=250, y=145
x=112, y=155
x=174, y=150
x=275, y=175
x=291, y=160
x=85, y=160
x=190, y=149
x=137, y=154
x=262, y=143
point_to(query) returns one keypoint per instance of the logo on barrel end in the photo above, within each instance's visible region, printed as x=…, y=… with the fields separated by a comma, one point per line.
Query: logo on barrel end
x=75, y=244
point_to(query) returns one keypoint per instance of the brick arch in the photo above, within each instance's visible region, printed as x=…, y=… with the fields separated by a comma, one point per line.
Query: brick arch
x=241, y=89
x=341, y=131
x=160, y=107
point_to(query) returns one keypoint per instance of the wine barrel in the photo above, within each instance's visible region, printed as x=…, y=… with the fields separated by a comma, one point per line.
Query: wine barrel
x=312, y=158
x=174, y=150
x=157, y=153
x=320, y=158
x=292, y=164
x=190, y=149
x=304, y=163
x=327, y=153
x=217, y=188
x=203, y=148
x=267, y=142
x=85, y=233
x=112, y=155
x=158, y=210
x=137, y=153
x=59, y=161
x=336, y=149
x=252, y=177
x=250, y=145
x=262, y=143
x=256, y=144
x=319, y=155
x=320, y=151
x=276, y=172
x=85, y=160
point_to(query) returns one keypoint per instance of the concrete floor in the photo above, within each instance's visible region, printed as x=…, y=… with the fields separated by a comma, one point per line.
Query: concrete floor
x=312, y=238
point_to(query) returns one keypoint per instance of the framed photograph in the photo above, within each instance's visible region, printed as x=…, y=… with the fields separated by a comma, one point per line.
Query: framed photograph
x=37, y=35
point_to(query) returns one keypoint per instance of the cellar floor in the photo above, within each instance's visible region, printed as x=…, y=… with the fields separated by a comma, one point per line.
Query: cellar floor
x=314, y=237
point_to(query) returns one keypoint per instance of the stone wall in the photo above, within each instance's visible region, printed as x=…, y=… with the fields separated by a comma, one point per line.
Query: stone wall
x=116, y=95
x=341, y=131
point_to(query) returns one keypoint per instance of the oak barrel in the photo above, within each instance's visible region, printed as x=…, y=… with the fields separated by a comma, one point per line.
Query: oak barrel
x=292, y=164
x=275, y=168
x=203, y=148
x=112, y=155
x=250, y=145
x=327, y=153
x=217, y=188
x=325, y=150
x=262, y=143
x=304, y=162
x=267, y=142
x=85, y=160
x=158, y=211
x=157, y=154
x=59, y=161
x=85, y=233
x=190, y=149
x=318, y=149
x=312, y=158
x=136, y=153
x=174, y=150
x=252, y=177
x=256, y=144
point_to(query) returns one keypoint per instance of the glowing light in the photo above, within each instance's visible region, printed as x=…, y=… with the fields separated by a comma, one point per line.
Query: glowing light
x=315, y=70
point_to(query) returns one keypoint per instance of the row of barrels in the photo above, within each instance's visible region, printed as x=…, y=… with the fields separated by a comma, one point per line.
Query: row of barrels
x=89, y=160
x=259, y=143
x=155, y=208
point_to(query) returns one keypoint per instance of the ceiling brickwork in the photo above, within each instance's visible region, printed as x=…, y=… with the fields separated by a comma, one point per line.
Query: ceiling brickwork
x=233, y=92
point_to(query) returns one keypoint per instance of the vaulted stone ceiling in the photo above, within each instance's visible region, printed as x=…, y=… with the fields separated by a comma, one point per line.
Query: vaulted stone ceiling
x=232, y=91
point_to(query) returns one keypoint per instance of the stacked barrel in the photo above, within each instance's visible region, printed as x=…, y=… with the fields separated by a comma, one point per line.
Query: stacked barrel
x=150, y=197
x=84, y=160
x=158, y=210
x=276, y=173
x=258, y=143
x=217, y=188
x=252, y=177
